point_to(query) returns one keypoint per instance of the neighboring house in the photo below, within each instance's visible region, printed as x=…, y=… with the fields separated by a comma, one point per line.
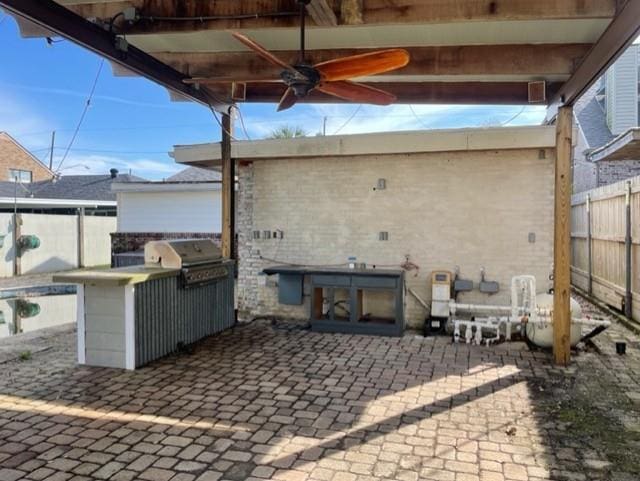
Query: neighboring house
x=64, y=194
x=604, y=115
x=188, y=204
x=16, y=162
x=73, y=217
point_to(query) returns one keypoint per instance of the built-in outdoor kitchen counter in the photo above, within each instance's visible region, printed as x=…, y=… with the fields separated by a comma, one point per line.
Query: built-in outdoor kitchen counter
x=325, y=282
x=132, y=315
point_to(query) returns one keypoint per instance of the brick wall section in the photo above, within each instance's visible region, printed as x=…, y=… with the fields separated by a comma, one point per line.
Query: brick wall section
x=469, y=209
x=584, y=175
x=612, y=171
x=133, y=241
x=14, y=156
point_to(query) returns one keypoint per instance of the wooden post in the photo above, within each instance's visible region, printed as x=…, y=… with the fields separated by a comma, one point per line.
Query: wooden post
x=228, y=189
x=589, y=247
x=562, y=239
x=628, y=301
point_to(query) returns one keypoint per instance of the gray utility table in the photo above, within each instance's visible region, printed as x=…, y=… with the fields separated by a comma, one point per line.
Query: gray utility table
x=324, y=283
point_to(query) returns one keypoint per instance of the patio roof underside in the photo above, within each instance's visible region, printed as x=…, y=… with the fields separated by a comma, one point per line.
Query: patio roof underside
x=464, y=51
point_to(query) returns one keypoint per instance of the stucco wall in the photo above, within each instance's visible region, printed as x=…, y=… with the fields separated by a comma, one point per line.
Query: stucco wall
x=58, y=249
x=179, y=211
x=97, y=239
x=470, y=209
x=58, y=236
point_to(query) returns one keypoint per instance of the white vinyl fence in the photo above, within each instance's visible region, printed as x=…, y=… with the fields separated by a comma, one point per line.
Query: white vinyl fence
x=66, y=242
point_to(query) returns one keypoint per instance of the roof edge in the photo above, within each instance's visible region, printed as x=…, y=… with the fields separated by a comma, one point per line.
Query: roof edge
x=615, y=146
x=389, y=143
x=181, y=186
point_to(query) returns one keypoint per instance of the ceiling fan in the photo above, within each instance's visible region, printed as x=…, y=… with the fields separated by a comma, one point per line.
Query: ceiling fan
x=333, y=76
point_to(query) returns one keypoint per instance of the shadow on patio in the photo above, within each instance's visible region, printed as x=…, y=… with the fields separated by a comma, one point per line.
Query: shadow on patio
x=265, y=403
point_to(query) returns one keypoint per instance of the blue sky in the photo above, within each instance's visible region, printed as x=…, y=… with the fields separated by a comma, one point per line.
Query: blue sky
x=132, y=125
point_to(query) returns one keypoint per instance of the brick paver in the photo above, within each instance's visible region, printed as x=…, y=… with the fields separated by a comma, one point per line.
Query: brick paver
x=261, y=403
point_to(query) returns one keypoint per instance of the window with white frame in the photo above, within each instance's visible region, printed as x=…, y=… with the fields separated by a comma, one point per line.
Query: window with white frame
x=22, y=176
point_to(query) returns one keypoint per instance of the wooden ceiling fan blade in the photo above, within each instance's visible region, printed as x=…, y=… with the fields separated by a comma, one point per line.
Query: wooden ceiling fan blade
x=288, y=100
x=356, y=92
x=263, y=52
x=363, y=65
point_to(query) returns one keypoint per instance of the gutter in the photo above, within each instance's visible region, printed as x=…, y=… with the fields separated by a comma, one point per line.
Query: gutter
x=60, y=203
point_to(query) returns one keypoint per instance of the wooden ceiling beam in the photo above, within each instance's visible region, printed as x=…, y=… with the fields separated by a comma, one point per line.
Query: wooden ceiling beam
x=48, y=15
x=510, y=93
x=537, y=60
x=228, y=14
x=322, y=14
x=620, y=33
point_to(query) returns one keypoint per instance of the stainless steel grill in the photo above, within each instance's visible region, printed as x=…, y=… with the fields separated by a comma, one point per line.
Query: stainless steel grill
x=199, y=260
x=181, y=309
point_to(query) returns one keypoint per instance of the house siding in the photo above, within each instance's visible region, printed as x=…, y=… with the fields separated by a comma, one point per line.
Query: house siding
x=466, y=209
x=180, y=211
x=622, y=92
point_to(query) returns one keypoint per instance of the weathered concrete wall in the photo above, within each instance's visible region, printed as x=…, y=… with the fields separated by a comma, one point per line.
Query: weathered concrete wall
x=97, y=239
x=467, y=209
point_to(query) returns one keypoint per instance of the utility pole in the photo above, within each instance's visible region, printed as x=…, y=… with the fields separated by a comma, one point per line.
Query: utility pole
x=324, y=126
x=53, y=143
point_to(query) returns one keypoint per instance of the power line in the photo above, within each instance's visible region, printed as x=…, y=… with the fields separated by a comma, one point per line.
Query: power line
x=286, y=120
x=84, y=113
x=348, y=120
x=514, y=117
x=215, y=116
x=416, y=116
x=246, y=134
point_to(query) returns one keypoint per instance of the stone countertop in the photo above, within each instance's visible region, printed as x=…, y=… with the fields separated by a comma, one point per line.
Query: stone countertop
x=120, y=276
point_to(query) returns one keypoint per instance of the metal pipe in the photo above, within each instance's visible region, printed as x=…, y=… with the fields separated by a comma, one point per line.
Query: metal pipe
x=589, y=247
x=454, y=307
x=628, y=306
x=302, y=31
x=211, y=18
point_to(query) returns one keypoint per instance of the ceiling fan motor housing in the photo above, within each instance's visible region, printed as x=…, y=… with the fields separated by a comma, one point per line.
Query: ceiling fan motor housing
x=302, y=84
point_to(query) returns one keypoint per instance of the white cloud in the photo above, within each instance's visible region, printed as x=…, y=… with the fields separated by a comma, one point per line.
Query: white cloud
x=101, y=164
x=83, y=95
x=354, y=119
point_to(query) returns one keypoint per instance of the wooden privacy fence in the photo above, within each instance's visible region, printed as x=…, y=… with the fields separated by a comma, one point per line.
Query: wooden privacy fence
x=605, y=241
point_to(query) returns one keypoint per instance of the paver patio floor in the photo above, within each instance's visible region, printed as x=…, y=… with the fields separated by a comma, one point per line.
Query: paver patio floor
x=262, y=403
